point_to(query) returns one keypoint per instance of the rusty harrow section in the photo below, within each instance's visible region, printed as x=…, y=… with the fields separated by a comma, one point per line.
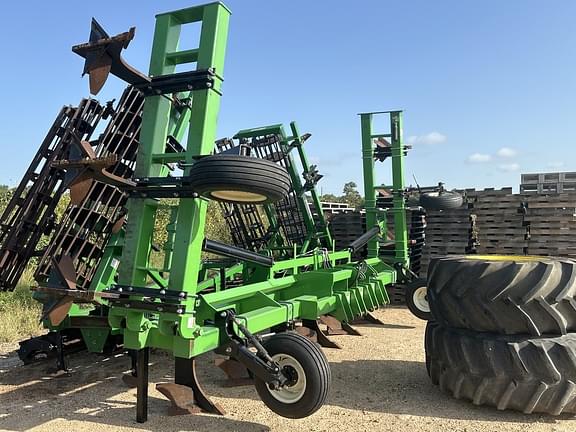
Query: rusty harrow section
x=289, y=216
x=87, y=226
x=30, y=214
x=246, y=221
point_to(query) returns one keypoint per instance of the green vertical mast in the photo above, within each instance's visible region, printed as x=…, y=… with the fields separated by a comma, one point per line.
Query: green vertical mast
x=396, y=152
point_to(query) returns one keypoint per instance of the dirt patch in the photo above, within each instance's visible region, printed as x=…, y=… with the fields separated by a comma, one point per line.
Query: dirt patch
x=379, y=384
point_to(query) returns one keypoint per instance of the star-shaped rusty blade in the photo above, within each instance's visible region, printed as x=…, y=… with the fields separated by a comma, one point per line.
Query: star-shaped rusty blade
x=57, y=309
x=102, y=55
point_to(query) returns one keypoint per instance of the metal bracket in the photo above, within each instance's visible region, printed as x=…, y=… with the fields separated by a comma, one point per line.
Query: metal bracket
x=260, y=364
x=178, y=82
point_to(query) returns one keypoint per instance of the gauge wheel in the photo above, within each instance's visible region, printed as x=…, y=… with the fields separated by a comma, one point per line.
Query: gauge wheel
x=417, y=299
x=308, y=372
x=239, y=179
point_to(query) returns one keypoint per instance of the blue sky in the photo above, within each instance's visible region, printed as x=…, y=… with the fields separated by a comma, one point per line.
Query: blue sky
x=488, y=87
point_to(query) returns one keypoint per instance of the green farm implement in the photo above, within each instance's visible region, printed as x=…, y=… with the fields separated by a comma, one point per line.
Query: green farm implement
x=258, y=299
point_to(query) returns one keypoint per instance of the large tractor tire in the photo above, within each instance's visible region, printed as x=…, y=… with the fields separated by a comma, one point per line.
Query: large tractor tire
x=504, y=294
x=532, y=375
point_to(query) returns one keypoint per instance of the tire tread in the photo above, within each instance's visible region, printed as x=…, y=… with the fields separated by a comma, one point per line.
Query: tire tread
x=521, y=373
x=507, y=297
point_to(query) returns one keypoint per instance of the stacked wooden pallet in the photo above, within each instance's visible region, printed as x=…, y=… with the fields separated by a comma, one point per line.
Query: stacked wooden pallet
x=448, y=232
x=499, y=218
x=551, y=224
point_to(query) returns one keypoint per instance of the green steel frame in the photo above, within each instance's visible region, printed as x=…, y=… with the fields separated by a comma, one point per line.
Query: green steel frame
x=374, y=216
x=314, y=280
x=318, y=234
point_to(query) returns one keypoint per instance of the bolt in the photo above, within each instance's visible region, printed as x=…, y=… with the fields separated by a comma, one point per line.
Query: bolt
x=228, y=350
x=162, y=292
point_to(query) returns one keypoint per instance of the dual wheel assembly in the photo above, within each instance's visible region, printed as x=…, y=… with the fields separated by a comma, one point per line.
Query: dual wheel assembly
x=503, y=331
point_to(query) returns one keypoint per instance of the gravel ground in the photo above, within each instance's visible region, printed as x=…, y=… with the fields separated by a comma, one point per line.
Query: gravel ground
x=379, y=384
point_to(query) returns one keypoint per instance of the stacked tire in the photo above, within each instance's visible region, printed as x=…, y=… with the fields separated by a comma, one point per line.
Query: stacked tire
x=503, y=331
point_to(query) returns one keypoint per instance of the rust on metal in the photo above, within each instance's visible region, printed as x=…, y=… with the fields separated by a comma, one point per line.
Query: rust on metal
x=31, y=212
x=181, y=397
x=58, y=310
x=85, y=227
x=186, y=394
x=336, y=327
x=321, y=338
x=368, y=318
x=236, y=373
x=102, y=56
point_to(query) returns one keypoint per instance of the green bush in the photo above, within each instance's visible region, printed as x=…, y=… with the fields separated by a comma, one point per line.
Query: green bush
x=19, y=312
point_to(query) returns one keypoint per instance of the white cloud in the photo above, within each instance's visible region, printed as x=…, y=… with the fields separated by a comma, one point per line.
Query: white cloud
x=429, y=138
x=557, y=164
x=479, y=158
x=506, y=152
x=510, y=167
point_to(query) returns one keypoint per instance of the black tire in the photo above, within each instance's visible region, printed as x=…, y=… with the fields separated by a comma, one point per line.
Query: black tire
x=316, y=370
x=445, y=200
x=415, y=301
x=504, y=294
x=239, y=179
x=431, y=368
x=508, y=372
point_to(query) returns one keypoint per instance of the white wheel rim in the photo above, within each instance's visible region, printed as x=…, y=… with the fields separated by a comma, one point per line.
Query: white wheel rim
x=292, y=393
x=420, y=300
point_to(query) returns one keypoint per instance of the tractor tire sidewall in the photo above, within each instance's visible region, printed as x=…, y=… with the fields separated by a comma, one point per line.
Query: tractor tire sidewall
x=317, y=370
x=411, y=290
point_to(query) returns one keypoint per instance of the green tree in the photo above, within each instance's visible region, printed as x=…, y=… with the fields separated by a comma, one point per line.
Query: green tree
x=329, y=198
x=351, y=196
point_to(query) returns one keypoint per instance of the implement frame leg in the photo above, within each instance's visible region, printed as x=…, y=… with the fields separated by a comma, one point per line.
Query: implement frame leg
x=142, y=361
